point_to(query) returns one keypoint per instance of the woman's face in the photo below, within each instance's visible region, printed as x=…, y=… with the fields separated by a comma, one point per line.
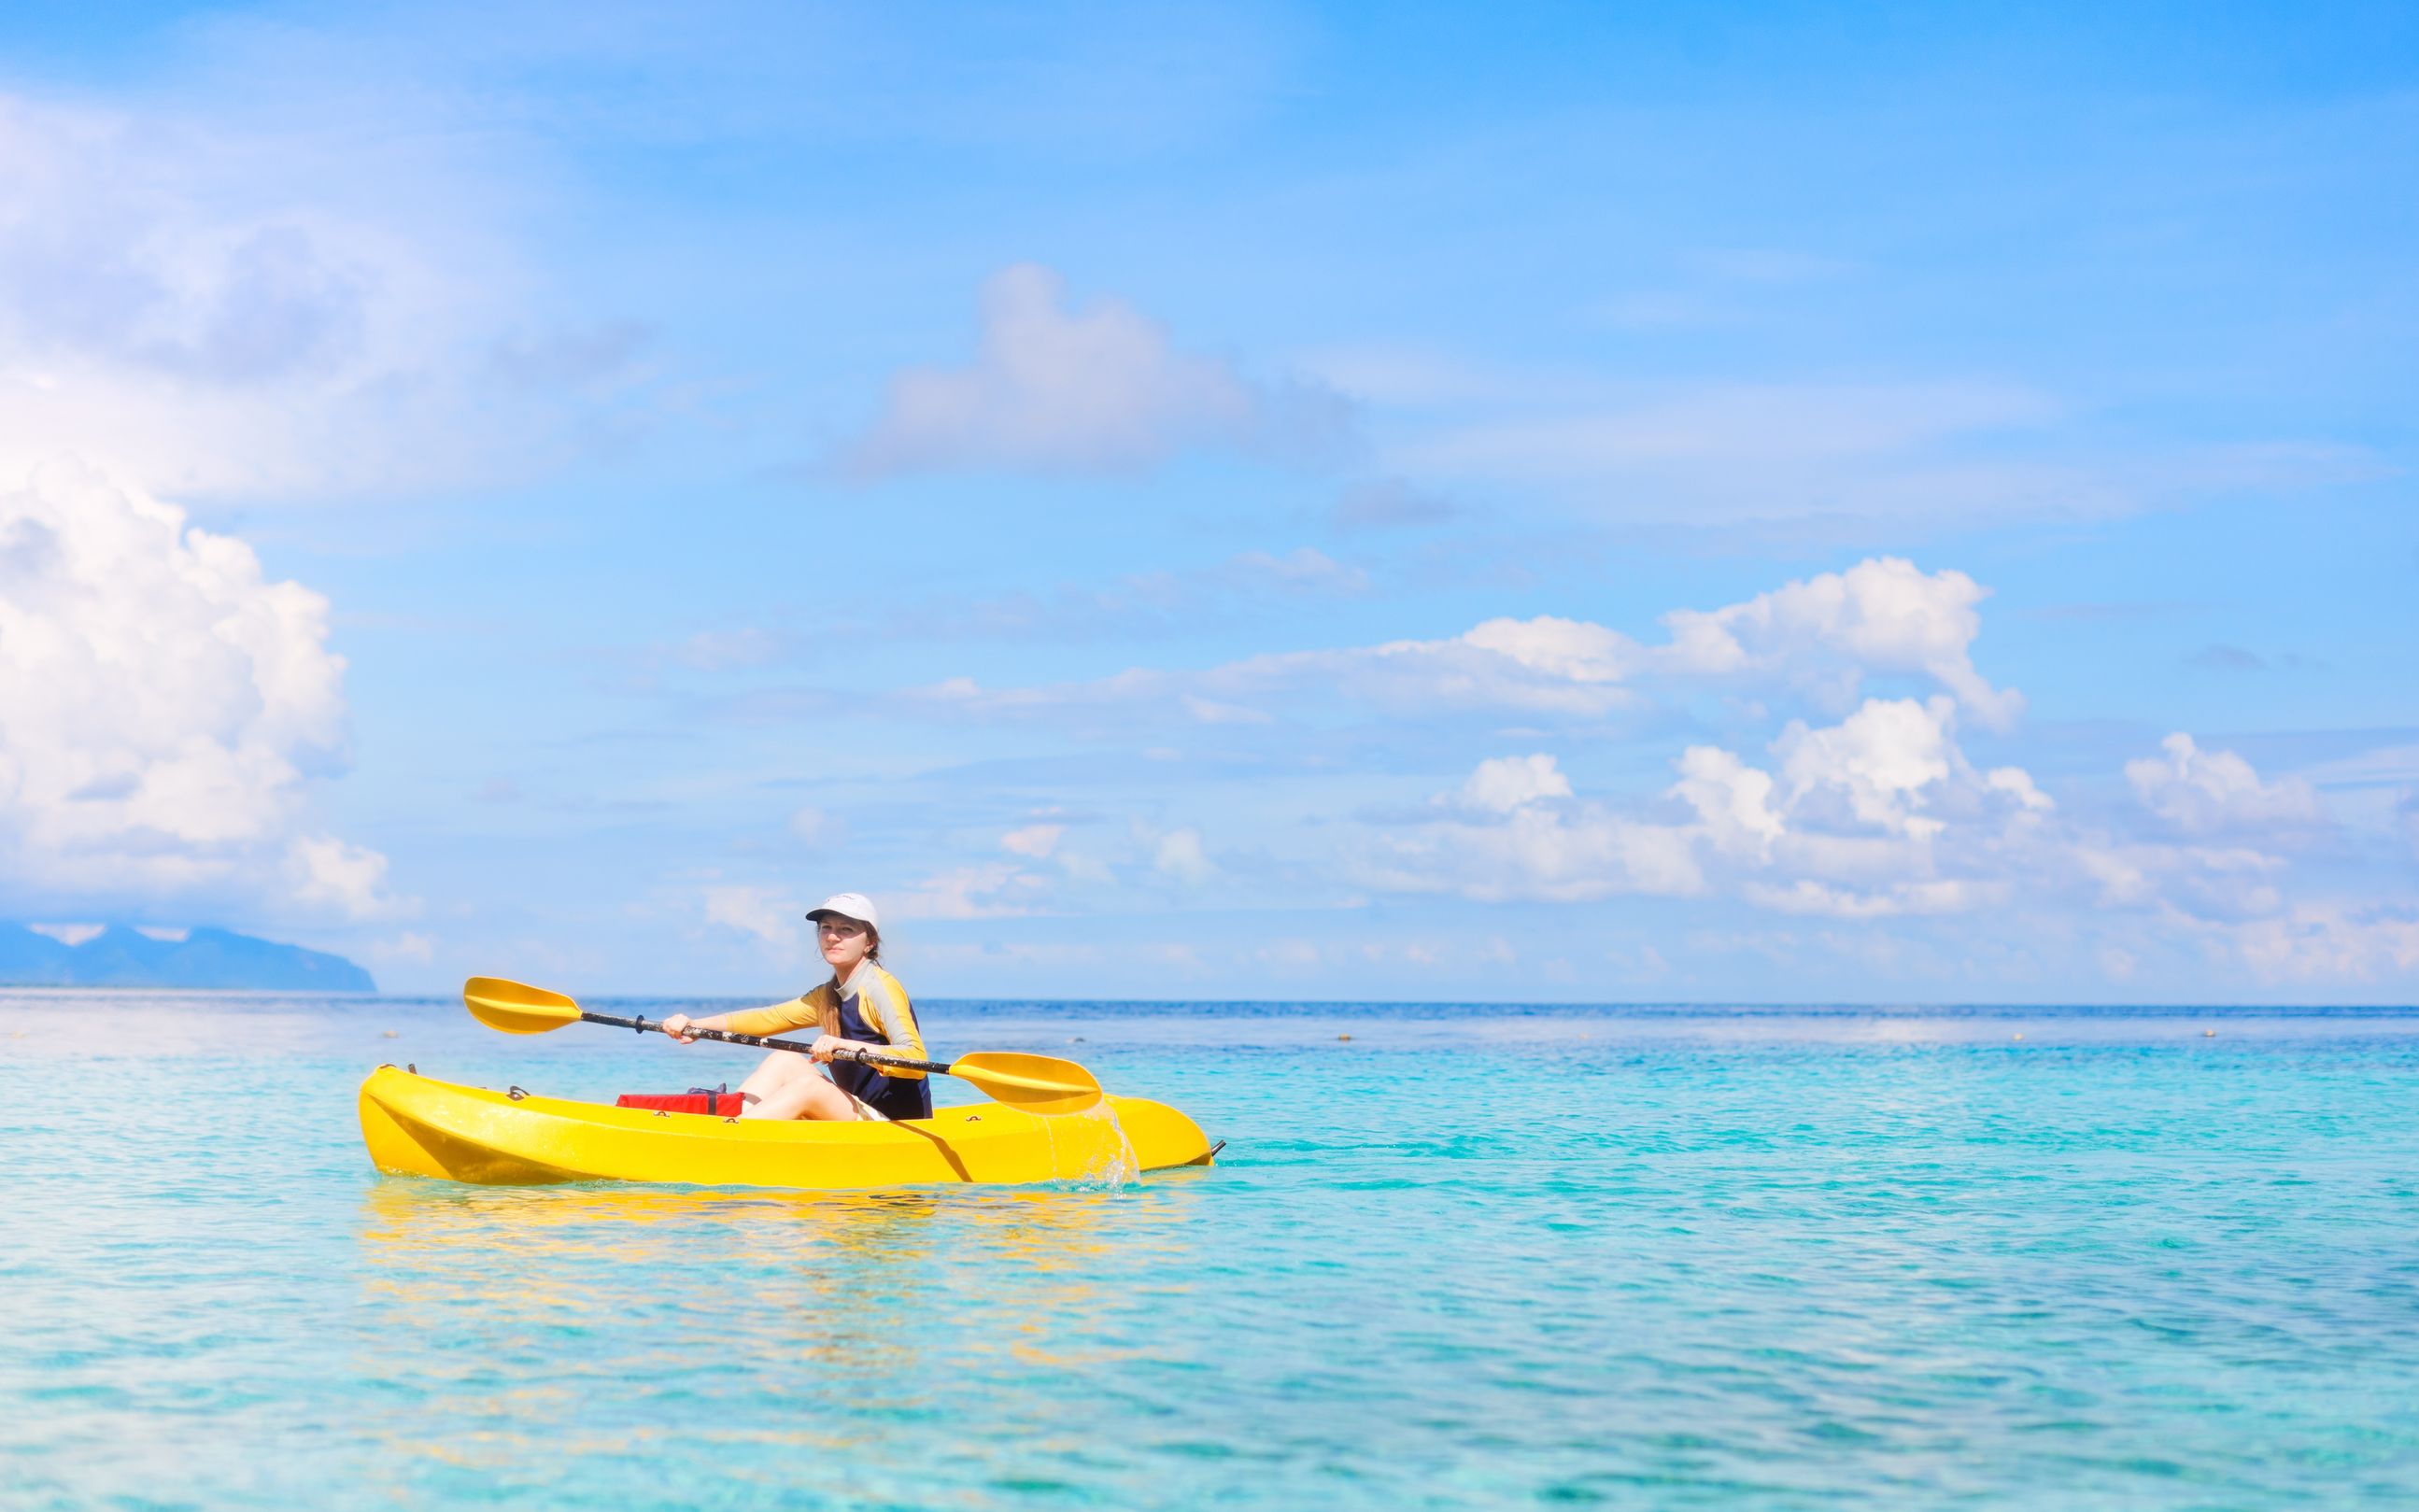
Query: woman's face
x=844, y=942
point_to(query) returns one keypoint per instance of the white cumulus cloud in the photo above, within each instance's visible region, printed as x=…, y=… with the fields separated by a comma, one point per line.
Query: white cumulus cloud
x=1878, y=815
x=1179, y=854
x=1880, y=759
x=163, y=710
x=1882, y=816
x=409, y=946
x=2328, y=941
x=1825, y=637
x=769, y=916
x=1566, y=650
x=1934, y=896
x=346, y=879
x=1732, y=800
x=1884, y=615
x=1036, y=840
x=2206, y=792
x=1059, y=390
x=1504, y=783
x=986, y=890
x=1549, y=853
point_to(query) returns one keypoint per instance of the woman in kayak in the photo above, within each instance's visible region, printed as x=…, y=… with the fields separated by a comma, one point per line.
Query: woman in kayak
x=861, y=1007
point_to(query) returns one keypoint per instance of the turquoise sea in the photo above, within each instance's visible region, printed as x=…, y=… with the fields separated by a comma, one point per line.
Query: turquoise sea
x=1648, y=1257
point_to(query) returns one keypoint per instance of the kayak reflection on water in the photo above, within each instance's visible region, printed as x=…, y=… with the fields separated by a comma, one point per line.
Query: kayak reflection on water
x=862, y=1008
x=566, y=1285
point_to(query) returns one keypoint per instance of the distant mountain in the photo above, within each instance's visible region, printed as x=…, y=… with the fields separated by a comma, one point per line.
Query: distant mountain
x=123, y=957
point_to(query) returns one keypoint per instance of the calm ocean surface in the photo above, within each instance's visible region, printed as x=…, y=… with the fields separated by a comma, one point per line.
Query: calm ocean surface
x=1634, y=1258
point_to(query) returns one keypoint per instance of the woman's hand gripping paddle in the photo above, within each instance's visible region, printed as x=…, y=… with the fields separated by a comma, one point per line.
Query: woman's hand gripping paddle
x=1036, y=1084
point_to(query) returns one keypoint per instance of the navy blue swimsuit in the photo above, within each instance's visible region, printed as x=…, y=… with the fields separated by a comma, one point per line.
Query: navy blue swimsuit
x=894, y=1097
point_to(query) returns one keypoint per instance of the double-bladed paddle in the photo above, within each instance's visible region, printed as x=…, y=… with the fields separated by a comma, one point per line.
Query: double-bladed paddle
x=1036, y=1084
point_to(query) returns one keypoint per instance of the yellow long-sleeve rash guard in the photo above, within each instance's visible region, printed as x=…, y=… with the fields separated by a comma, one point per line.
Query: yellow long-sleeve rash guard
x=877, y=998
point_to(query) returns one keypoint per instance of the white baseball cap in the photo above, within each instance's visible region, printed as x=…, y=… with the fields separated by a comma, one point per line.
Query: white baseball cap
x=854, y=905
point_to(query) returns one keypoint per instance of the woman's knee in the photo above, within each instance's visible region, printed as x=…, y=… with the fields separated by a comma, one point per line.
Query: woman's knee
x=807, y=1097
x=776, y=1069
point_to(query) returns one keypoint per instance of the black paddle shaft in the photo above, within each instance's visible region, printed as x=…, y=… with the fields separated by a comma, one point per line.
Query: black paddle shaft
x=644, y=1025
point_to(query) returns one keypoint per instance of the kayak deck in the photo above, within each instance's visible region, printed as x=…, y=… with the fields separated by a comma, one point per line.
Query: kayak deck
x=417, y=1125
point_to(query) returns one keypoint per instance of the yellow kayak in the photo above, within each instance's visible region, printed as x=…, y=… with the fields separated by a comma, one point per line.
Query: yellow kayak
x=416, y=1125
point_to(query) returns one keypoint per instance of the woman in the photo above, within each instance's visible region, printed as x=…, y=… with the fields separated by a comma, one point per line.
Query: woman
x=861, y=1007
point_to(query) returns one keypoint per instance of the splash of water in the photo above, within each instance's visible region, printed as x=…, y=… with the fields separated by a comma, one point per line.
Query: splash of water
x=1107, y=1157
x=1115, y=1162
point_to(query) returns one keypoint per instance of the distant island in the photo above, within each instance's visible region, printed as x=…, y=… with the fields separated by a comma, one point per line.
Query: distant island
x=117, y=955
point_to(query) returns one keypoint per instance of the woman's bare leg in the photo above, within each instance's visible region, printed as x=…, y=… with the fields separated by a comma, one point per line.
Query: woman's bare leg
x=789, y=1086
x=807, y=1097
x=774, y=1072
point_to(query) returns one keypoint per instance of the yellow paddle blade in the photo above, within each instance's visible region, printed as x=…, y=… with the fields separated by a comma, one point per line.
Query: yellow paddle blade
x=516, y=1007
x=1036, y=1084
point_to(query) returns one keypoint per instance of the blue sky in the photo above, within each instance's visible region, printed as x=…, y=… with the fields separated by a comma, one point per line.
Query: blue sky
x=1759, y=502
